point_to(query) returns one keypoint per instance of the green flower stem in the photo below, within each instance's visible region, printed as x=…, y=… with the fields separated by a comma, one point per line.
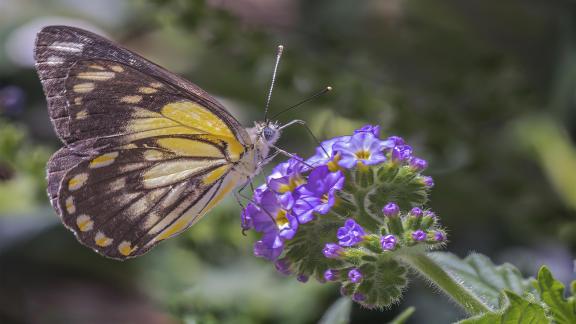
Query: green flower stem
x=428, y=268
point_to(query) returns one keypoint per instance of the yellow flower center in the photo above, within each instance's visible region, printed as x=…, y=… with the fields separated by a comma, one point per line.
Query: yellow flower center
x=281, y=219
x=333, y=164
x=363, y=155
x=324, y=198
x=293, y=183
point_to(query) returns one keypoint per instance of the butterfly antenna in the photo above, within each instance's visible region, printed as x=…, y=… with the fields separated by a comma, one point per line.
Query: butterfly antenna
x=317, y=94
x=278, y=56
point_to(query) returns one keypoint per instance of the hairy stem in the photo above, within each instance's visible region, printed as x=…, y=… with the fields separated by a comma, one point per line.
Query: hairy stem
x=429, y=269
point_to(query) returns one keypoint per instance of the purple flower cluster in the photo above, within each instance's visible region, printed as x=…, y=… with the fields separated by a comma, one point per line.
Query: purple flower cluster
x=287, y=200
x=297, y=190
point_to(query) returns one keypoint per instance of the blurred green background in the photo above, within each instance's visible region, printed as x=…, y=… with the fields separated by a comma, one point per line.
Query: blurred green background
x=485, y=90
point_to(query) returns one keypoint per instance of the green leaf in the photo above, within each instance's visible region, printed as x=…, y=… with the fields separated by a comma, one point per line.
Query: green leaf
x=403, y=317
x=482, y=277
x=551, y=292
x=516, y=310
x=338, y=313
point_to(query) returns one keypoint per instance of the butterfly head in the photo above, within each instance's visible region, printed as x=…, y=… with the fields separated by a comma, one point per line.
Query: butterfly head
x=264, y=135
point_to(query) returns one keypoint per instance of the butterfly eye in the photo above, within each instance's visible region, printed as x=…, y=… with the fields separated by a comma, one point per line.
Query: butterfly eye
x=268, y=133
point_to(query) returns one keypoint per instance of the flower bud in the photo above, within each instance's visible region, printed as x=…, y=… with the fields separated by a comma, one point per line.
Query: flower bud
x=332, y=250
x=391, y=210
x=428, y=181
x=388, y=242
x=418, y=164
x=302, y=278
x=439, y=236
x=358, y=297
x=331, y=275
x=419, y=235
x=350, y=234
x=283, y=267
x=355, y=275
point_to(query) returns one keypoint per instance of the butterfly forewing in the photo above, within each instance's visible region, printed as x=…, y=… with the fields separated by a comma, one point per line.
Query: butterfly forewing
x=147, y=154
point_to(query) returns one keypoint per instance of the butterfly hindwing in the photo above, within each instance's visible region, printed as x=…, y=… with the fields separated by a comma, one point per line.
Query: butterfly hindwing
x=123, y=201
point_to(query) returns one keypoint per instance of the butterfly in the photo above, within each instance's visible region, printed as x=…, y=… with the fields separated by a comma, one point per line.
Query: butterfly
x=146, y=153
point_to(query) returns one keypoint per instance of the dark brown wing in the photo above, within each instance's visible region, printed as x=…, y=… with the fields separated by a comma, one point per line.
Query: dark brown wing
x=60, y=48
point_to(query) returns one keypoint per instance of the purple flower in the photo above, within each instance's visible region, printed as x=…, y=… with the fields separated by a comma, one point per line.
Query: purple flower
x=283, y=267
x=302, y=278
x=273, y=219
x=388, y=242
x=318, y=194
x=269, y=247
x=350, y=234
x=428, y=181
x=430, y=214
x=401, y=153
x=246, y=216
x=439, y=236
x=287, y=176
x=325, y=153
x=364, y=148
x=332, y=250
x=391, y=209
x=396, y=140
x=419, y=235
x=374, y=129
x=418, y=164
x=358, y=297
x=354, y=275
x=331, y=275
x=416, y=212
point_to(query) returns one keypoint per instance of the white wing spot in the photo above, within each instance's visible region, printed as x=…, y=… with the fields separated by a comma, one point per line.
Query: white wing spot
x=117, y=68
x=125, y=248
x=54, y=60
x=102, y=240
x=84, y=223
x=70, y=206
x=96, y=75
x=67, y=47
x=147, y=90
x=83, y=87
x=82, y=114
x=103, y=160
x=77, y=181
x=131, y=99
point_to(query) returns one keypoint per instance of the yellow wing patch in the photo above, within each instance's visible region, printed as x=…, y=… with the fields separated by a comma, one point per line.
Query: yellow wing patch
x=194, y=116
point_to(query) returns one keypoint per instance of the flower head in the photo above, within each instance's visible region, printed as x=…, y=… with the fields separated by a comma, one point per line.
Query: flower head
x=402, y=153
x=439, y=236
x=358, y=297
x=287, y=176
x=418, y=164
x=428, y=181
x=283, y=267
x=388, y=242
x=419, y=235
x=332, y=250
x=325, y=152
x=391, y=209
x=416, y=212
x=302, y=278
x=374, y=129
x=362, y=147
x=331, y=275
x=355, y=275
x=318, y=194
x=350, y=234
